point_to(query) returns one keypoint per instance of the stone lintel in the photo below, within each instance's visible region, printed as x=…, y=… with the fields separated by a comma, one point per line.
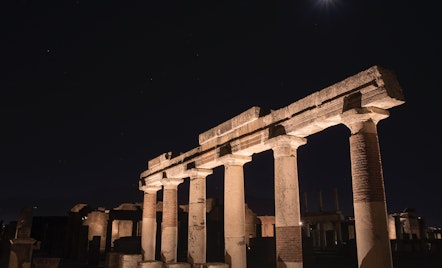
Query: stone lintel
x=229, y=125
x=251, y=144
x=248, y=132
x=374, y=87
x=165, y=157
x=177, y=171
x=176, y=159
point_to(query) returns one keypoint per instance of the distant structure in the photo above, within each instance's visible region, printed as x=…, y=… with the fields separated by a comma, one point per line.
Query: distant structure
x=111, y=238
x=324, y=228
x=408, y=232
x=359, y=102
x=21, y=245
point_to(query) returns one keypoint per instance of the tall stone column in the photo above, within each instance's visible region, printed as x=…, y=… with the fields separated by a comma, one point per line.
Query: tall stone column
x=169, y=226
x=287, y=208
x=234, y=210
x=149, y=222
x=371, y=222
x=197, y=243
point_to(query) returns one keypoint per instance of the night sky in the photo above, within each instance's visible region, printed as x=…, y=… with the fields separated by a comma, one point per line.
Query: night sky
x=92, y=90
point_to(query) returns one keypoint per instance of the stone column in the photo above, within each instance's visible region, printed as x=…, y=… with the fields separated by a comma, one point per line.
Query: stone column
x=197, y=244
x=149, y=222
x=287, y=207
x=108, y=244
x=169, y=225
x=372, y=240
x=234, y=210
x=305, y=202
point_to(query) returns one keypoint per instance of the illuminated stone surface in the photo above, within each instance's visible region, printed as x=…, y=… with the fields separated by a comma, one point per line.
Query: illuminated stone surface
x=196, y=252
x=359, y=102
x=169, y=225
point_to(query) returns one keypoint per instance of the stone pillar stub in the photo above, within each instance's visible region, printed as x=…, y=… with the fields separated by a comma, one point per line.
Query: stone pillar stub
x=369, y=202
x=169, y=225
x=234, y=210
x=197, y=232
x=287, y=206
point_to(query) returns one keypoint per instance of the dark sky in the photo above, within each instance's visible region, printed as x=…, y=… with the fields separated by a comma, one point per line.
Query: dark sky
x=92, y=90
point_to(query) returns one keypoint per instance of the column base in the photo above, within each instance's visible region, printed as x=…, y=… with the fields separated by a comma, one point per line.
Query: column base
x=150, y=264
x=216, y=265
x=210, y=265
x=178, y=265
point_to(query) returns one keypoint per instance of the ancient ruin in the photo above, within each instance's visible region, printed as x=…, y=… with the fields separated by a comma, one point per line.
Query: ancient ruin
x=359, y=102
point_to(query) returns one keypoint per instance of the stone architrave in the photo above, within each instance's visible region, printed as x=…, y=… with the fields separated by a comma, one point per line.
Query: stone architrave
x=287, y=207
x=234, y=210
x=369, y=202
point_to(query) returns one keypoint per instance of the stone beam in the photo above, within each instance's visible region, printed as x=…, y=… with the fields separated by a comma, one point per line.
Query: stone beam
x=247, y=133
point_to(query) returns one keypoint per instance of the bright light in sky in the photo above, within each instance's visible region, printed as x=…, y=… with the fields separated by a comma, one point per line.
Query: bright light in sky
x=326, y=4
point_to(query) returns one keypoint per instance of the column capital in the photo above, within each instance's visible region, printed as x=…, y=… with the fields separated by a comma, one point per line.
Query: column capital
x=286, y=140
x=171, y=183
x=151, y=182
x=355, y=118
x=236, y=160
x=150, y=189
x=198, y=172
x=285, y=145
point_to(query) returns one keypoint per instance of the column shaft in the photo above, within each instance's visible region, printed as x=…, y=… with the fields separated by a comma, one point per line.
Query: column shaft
x=169, y=226
x=149, y=224
x=287, y=206
x=196, y=251
x=371, y=223
x=234, y=211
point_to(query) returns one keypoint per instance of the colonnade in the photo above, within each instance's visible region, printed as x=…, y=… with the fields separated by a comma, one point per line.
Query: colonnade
x=359, y=102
